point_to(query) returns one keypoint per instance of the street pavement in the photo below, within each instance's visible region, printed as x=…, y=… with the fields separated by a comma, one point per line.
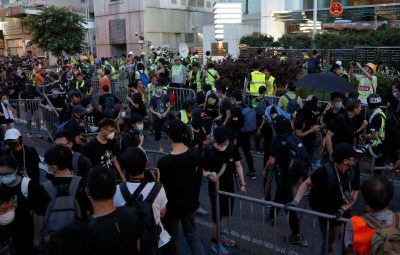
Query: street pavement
x=248, y=224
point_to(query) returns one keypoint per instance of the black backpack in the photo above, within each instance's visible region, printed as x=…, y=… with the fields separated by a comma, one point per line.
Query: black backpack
x=144, y=209
x=299, y=162
x=109, y=106
x=293, y=105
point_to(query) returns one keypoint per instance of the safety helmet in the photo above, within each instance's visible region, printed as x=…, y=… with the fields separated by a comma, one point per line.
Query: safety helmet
x=306, y=57
x=98, y=62
x=374, y=100
x=85, y=58
x=143, y=53
x=372, y=66
x=151, y=47
x=339, y=63
x=130, y=53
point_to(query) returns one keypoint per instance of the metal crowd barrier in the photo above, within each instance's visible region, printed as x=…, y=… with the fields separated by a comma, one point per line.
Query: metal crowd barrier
x=254, y=234
x=181, y=96
x=153, y=157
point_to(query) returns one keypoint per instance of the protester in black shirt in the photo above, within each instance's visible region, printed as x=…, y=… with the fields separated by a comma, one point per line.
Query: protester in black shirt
x=334, y=190
x=58, y=159
x=134, y=136
x=306, y=125
x=25, y=155
x=102, y=151
x=279, y=162
x=56, y=99
x=7, y=216
x=344, y=128
x=222, y=153
x=80, y=164
x=118, y=227
x=178, y=174
x=23, y=190
x=135, y=98
x=92, y=116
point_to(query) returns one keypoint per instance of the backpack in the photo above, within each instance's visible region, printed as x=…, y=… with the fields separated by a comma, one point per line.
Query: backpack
x=249, y=119
x=260, y=109
x=144, y=78
x=279, y=112
x=293, y=106
x=313, y=65
x=75, y=160
x=212, y=104
x=299, y=162
x=144, y=209
x=386, y=240
x=62, y=126
x=62, y=210
x=109, y=106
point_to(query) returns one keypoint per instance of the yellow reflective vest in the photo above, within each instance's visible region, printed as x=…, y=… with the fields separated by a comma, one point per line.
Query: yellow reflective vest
x=184, y=116
x=257, y=80
x=270, y=86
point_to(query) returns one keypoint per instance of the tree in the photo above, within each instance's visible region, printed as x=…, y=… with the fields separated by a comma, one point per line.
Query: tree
x=57, y=30
x=258, y=40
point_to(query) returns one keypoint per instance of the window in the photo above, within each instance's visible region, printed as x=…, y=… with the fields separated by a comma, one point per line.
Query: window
x=183, y=2
x=208, y=4
x=173, y=1
x=200, y=3
x=189, y=38
x=192, y=3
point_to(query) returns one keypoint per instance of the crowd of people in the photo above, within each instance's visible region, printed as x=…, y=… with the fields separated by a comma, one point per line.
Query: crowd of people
x=102, y=196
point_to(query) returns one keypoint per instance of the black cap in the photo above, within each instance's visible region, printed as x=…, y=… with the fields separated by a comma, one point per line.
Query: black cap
x=136, y=118
x=78, y=109
x=344, y=151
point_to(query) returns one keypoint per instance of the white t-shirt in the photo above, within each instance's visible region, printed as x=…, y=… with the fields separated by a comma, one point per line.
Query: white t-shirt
x=159, y=203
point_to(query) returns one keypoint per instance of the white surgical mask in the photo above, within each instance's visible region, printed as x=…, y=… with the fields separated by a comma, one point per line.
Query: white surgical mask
x=123, y=114
x=7, y=218
x=220, y=148
x=139, y=127
x=89, y=109
x=8, y=179
x=111, y=136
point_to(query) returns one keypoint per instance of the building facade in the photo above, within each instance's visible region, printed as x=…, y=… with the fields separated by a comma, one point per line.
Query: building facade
x=123, y=26
x=287, y=16
x=14, y=34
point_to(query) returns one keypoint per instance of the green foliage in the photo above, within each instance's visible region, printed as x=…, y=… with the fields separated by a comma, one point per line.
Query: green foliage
x=258, y=40
x=377, y=38
x=295, y=41
x=57, y=30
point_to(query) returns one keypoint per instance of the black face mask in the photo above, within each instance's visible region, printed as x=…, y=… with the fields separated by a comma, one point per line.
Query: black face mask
x=13, y=145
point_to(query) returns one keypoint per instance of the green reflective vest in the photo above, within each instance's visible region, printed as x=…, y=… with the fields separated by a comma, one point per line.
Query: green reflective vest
x=184, y=116
x=210, y=78
x=270, y=86
x=381, y=131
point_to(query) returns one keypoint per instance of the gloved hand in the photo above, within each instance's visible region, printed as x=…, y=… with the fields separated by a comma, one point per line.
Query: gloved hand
x=339, y=213
x=291, y=204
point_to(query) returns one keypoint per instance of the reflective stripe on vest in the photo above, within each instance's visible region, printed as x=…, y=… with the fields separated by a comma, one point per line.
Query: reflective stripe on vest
x=81, y=86
x=257, y=80
x=270, y=86
x=365, y=88
x=362, y=235
x=184, y=116
x=113, y=75
x=381, y=131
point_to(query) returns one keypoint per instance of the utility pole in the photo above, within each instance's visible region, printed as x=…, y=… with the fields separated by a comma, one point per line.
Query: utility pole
x=315, y=8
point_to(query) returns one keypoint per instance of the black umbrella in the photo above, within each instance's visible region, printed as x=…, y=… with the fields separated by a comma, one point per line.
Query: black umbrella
x=326, y=82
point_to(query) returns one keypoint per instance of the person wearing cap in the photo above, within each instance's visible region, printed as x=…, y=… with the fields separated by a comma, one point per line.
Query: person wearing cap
x=178, y=73
x=25, y=155
x=334, y=189
x=367, y=82
x=134, y=136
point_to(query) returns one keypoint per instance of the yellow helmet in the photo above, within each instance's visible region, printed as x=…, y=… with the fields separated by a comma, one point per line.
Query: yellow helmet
x=143, y=53
x=306, y=57
x=372, y=66
x=85, y=57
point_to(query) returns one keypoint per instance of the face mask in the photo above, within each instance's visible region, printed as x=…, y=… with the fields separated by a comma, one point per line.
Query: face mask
x=8, y=179
x=7, y=218
x=89, y=109
x=338, y=105
x=220, y=148
x=395, y=94
x=123, y=114
x=158, y=91
x=5, y=101
x=111, y=136
x=139, y=127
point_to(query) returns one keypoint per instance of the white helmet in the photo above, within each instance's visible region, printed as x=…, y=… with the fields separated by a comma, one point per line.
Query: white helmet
x=130, y=53
x=339, y=63
x=151, y=47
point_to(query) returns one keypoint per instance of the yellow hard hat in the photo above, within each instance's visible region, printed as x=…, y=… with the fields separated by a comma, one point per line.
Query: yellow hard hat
x=372, y=66
x=85, y=57
x=306, y=57
x=143, y=53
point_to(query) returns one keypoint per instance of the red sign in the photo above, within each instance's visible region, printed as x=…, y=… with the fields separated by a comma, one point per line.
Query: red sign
x=336, y=10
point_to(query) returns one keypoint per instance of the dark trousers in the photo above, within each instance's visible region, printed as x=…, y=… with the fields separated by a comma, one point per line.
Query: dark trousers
x=158, y=125
x=284, y=195
x=243, y=140
x=189, y=231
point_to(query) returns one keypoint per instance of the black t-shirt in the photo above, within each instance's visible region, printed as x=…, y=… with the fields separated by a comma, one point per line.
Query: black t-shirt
x=344, y=129
x=137, y=99
x=84, y=166
x=6, y=238
x=225, y=105
x=93, y=118
x=120, y=230
x=326, y=196
x=280, y=151
x=178, y=173
x=57, y=102
x=102, y=100
x=100, y=154
x=213, y=161
x=31, y=167
x=129, y=139
x=329, y=115
x=62, y=186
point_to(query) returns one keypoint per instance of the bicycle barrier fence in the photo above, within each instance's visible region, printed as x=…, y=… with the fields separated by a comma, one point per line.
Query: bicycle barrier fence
x=250, y=226
x=181, y=96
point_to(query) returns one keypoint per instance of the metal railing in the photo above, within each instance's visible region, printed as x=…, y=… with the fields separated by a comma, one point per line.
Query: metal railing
x=181, y=96
x=153, y=157
x=255, y=234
